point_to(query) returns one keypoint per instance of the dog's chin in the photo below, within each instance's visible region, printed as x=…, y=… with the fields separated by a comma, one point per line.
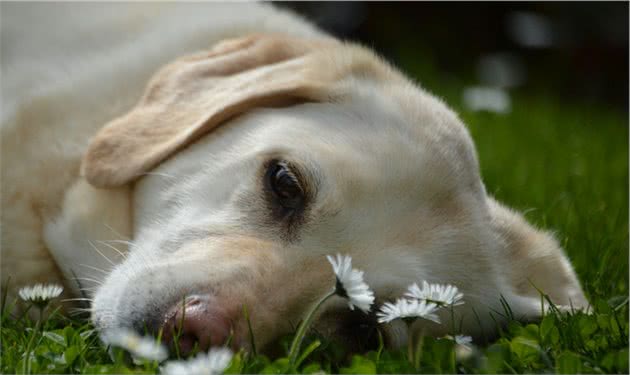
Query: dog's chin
x=348, y=331
x=203, y=317
x=353, y=331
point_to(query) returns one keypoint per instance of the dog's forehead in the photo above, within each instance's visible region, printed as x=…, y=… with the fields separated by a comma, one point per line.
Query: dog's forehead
x=377, y=141
x=400, y=131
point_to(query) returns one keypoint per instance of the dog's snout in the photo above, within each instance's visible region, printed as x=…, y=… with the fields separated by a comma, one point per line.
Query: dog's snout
x=196, y=322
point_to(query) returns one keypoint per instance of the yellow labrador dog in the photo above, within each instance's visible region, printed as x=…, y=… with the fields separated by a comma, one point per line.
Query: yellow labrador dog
x=215, y=153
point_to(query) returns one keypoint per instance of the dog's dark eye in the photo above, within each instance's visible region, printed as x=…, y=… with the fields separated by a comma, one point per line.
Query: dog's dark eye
x=285, y=186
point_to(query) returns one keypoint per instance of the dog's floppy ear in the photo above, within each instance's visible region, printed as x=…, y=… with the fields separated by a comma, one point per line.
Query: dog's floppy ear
x=536, y=263
x=195, y=94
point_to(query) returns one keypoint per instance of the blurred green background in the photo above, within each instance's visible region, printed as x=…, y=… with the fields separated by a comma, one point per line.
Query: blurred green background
x=575, y=50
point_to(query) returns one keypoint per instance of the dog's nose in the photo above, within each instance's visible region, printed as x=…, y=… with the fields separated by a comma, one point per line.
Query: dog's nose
x=198, y=321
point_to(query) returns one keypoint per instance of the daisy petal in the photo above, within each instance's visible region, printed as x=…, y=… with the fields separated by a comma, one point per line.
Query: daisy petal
x=463, y=340
x=404, y=308
x=40, y=294
x=444, y=295
x=213, y=363
x=138, y=346
x=350, y=283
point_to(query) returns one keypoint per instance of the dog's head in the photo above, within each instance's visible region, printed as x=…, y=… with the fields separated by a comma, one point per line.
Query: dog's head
x=266, y=153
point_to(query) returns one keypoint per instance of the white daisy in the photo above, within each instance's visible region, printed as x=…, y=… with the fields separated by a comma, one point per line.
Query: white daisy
x=405, y=309
x=350, y=283
x=138, y=346
x=463, y=348
x=444, y=295
x=40, y=294
x=463, y=340
x=212, y=363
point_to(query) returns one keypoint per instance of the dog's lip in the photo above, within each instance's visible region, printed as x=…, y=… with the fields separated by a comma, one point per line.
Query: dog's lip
x=354, y=328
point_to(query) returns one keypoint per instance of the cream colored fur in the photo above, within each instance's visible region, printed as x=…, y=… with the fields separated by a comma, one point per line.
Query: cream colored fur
x=172, y=201
x=67, y=69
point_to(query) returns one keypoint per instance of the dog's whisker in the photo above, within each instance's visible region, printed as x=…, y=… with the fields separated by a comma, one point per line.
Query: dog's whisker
x=95, y=268
x=114, y=231
x=123, y=255
x=81, y=308
x=76, y=299
x=79, y=311
x=124, y=242
x=131, y=246
x=103, y=255
x=99, y=282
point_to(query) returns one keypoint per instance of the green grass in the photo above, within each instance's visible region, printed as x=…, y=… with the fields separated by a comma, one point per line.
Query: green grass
x=565, y=165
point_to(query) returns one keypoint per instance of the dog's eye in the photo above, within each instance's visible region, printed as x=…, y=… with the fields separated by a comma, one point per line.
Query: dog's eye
x=285, y=186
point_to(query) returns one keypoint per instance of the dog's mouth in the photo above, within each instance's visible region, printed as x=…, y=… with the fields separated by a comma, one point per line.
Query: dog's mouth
x=354, y=330
x=198, y=321
x=347, y=331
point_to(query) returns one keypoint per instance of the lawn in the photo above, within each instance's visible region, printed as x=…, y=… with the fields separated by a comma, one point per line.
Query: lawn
x=564, y=164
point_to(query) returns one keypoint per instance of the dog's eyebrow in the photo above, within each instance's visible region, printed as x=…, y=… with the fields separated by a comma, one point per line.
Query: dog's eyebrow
x=303, y=176
x=308, y=174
